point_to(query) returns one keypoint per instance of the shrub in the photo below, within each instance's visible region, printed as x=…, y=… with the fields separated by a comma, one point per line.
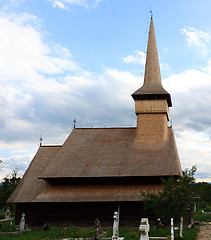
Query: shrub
x=159, y=232
x=198, y=216
x=2, y=214
x=8, y=226
x=71, y=232
x=207, y=209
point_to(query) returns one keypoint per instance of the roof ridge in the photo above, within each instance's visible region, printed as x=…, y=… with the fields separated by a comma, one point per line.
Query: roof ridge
x=107, y=128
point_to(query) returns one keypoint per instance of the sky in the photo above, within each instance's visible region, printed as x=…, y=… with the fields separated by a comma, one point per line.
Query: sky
x=62, y=60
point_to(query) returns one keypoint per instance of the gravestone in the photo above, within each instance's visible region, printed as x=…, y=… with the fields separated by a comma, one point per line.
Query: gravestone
x=115, y=226
x=172, y=229
x=97, y=227
x=181, y=227
x=7, y=215
x=22, y=223
x=144, y=229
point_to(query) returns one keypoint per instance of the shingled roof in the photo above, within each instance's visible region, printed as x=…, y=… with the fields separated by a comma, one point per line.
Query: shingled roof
x=112, y=152
x=95, y=193
x=97, y=153
x=31, y=186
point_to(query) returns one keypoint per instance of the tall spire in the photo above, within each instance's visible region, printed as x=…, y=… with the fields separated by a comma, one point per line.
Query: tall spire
x=152, y=68
x=152, y=87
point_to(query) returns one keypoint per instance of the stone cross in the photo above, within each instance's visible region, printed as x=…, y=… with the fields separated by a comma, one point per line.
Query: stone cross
x=22, y=223
x=144, y=229
x=115, y=226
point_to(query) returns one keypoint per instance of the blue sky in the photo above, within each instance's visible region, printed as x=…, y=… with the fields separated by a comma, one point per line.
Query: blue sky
x=66, y=59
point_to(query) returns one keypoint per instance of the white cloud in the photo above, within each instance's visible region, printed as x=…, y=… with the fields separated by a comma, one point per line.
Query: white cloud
x=208, y=179
x=22, y=46
x=60, y=4
x=199, y=145
x=11, y=3
x=46, y=89
x=164, y=67
x=16, y=161
x=197, y=39
x=138, y=58
x=190, y=92
x=66, y=4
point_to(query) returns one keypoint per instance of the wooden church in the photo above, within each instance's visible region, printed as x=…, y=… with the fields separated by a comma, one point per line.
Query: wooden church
x=98, y=169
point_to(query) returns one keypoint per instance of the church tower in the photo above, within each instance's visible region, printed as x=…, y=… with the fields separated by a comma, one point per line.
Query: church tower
x=152, y=101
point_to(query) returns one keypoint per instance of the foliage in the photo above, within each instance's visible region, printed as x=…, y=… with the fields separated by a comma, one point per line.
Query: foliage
x=2, y=215
x=71, y=232
x=58, y=233
x=207, y=209
x=128, y=234
x=190, y=234
x=9, y=183
x=203, y=190
x=199, y=216
x=34, y=235
x=159, y=232
x=7, y=226
x=175, y=200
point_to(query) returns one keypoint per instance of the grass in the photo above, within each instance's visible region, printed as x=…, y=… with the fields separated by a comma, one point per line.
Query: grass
x=198, y=216
x=58, y=233
x=34, y=235
x=55, y=233
x=190, y=234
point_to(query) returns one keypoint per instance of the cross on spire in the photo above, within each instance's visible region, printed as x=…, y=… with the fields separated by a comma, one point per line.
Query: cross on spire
x=151, y=14
x=74, y=123
x=41, y=140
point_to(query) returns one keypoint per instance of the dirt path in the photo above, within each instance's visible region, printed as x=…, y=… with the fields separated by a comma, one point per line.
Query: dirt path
x=205, y=231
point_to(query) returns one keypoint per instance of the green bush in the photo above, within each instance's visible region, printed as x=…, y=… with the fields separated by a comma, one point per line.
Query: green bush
x=207, y=209
x=128, y=234
x=2, y=214
x=159, y=232
x=8, y=226
x=190, y=234
x=199, y=216
x=71, y=232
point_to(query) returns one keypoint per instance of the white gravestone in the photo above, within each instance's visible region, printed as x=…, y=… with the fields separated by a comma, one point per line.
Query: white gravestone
x=22, y=223
x=144, y=229
x=172, y=229
x=181, y=227
x=115, y=226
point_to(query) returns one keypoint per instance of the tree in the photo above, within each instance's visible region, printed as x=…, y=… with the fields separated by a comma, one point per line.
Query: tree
x=9, y=183
x=175, y=200
x=203, y=190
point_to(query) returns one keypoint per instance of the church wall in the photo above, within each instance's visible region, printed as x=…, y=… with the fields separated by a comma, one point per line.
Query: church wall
x=81, y=214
